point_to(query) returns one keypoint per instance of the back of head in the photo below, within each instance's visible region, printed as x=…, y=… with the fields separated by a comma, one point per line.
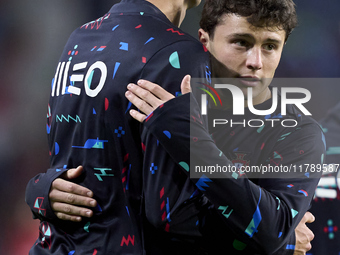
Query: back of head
x=279, y=14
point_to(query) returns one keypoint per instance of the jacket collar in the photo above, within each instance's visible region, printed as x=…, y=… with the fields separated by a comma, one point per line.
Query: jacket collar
x=140, y=7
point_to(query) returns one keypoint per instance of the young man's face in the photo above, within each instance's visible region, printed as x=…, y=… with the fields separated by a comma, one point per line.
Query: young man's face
x=247, y=53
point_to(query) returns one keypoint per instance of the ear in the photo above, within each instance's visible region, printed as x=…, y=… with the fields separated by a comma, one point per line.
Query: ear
x=204, y=38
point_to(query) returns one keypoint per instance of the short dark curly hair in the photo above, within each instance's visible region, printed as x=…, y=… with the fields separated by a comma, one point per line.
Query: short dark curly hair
x=259, y=13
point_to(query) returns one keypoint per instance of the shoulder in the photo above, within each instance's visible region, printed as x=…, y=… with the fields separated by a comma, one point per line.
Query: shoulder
x=175, y=41
x=303, y=121
x=306, y=140
x=297, y=132
x=296, y=117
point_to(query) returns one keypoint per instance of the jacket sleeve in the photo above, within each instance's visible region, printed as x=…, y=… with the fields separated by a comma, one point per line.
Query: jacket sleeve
x=249, y=209
x=37, y=191
x=171, y=201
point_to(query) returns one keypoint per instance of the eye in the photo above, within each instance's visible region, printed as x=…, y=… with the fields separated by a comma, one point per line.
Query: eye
x=241, y=43
x=270, y=47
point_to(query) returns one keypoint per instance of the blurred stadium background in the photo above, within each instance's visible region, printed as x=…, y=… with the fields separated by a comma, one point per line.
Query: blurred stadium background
x=32, y=36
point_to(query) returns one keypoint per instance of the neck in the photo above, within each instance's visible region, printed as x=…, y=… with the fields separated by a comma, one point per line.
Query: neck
x=174, y=10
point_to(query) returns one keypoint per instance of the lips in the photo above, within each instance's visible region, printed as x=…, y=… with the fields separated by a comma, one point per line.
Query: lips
x=250, y=81
x=250, y=78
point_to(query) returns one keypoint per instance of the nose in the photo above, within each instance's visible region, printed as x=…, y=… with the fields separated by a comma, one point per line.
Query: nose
x=254, y=59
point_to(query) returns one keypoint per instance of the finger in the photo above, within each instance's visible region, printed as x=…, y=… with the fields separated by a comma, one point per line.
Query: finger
x=64, y=216
x=73, y=173
x=309, y=217
x=145, y=95
x=62, y=208
x=185, y=85
x=308, y=247
x=72, y=199
x=156, y=90
x=70, y=187
x=310, y=234
x=137, y=115
x=139, y=103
